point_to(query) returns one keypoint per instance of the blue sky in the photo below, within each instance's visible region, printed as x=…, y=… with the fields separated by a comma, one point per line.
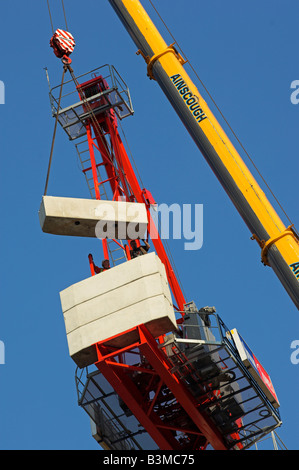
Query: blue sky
x=247, y=56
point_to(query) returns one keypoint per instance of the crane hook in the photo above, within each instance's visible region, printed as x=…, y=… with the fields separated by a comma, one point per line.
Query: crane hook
x=63, y=44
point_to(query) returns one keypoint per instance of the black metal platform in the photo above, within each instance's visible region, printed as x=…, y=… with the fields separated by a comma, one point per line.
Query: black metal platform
x=73, y=112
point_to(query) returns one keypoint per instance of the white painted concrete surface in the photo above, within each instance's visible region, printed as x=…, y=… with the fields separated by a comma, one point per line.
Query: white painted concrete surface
x=107, y=304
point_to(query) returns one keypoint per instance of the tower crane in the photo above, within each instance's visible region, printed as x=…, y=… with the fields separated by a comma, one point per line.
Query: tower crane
x=153, y=370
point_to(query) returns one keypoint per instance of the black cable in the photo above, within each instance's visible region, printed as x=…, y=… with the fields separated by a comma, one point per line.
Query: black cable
x=54, y=133
x=64, y=15
x=50, y=17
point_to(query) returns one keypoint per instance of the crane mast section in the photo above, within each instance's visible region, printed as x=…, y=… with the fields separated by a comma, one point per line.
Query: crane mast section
x=280, y=247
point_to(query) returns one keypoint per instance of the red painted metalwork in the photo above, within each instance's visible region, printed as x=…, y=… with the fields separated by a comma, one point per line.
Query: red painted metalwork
x=93, y=162
x=63, y=43
x=162, y=403
x=155, y=395
x=91, y=264
x=120, y=173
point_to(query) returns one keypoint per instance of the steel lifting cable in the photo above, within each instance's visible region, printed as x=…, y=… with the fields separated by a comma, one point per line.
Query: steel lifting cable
x=220, y=112
x=49, y=9
x=54, y=132
x=64, y=15
x=50, y=17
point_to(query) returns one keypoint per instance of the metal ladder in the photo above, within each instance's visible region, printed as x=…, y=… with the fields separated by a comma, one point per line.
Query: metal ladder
x=116, y=248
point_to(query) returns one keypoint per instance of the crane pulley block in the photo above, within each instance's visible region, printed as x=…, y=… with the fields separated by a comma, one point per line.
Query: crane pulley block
x=63, y=43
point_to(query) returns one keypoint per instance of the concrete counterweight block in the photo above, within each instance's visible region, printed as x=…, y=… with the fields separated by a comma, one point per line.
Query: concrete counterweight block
x=93, y=218
x=114, y=301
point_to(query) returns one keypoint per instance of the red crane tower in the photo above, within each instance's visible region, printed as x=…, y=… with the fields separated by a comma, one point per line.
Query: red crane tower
x=193, y=386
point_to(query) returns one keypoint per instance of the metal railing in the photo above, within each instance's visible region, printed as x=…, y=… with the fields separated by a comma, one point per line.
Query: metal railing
x=206, y=359
x=73, y=113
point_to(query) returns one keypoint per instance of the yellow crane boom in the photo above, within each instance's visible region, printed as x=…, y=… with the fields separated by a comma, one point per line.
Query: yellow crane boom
x=279, y=244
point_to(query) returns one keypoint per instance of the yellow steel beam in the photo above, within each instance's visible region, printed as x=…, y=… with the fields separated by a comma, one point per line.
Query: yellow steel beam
x=280, y=247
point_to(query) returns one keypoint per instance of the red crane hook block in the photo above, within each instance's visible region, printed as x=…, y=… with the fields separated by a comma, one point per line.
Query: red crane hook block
x=63, y=43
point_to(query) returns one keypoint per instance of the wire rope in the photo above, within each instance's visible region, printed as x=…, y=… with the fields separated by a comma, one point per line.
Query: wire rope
x=64, y=15
x=50, y=17
x=54, y=133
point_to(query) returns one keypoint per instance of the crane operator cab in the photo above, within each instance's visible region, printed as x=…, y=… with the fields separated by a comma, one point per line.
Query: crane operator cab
x=100, y=98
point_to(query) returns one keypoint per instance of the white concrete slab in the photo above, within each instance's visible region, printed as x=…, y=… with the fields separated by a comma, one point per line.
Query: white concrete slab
x=93, y=218
x=110, y=303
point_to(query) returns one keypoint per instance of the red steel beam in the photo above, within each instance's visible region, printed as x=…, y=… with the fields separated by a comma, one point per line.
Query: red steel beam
x=130, y=394
x=148, y=347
